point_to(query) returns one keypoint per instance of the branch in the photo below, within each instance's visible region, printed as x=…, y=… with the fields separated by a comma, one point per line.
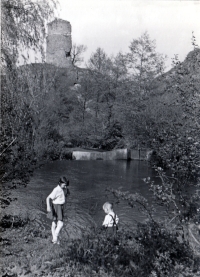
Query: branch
x=193, y=237
x=8, y=146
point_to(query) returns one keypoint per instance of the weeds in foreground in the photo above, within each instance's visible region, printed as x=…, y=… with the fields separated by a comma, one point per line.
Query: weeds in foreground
x=150, y=250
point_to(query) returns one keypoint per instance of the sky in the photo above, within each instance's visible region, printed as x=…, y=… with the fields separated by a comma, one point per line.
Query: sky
x=113, y=24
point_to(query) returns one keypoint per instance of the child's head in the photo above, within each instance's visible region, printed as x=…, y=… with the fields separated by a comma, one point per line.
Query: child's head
x=107, y=207
x=63, y=182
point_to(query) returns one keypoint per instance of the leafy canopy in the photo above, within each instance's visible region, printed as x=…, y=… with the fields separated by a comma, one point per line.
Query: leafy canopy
x=23, y=26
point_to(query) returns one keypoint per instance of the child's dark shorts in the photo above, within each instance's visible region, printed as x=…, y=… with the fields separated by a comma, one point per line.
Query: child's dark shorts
x=58, y=212
x=111, y=231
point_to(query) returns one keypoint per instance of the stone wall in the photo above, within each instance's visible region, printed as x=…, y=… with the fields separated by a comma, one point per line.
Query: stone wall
x=119, y=154
x=59, y=43
x=59, y=26
x=140, y=154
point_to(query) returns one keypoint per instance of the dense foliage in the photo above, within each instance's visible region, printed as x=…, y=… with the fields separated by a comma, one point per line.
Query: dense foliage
x=22, y=28
x=150, y=250
x=116, y=102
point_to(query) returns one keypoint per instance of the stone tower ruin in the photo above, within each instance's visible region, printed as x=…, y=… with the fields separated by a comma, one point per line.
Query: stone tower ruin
x=59, y=43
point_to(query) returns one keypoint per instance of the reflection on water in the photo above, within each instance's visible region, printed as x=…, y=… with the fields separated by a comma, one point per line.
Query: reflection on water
x=89, y=181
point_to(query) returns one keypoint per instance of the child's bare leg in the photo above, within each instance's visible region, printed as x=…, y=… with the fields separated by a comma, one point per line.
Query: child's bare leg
x=53, y=231
x=58, y=228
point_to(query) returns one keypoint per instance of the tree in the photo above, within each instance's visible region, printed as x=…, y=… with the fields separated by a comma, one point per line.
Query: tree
x=144, y=63
x=76, y=53
x=98, y=61
x=182, y=84
x=98, y=67
x=140, y=67
x=81, y=116
x=23, y=28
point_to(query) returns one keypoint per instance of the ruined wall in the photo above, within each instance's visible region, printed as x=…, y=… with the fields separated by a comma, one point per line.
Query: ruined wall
x=140, y=154
x=118, y=154
x=59, y=43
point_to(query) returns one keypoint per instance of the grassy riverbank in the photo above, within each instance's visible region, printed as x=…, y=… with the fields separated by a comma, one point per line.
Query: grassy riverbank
x=150, y=250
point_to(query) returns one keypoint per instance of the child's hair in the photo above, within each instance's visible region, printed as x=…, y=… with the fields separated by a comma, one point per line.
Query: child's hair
x=63, y=180
x=108, y=205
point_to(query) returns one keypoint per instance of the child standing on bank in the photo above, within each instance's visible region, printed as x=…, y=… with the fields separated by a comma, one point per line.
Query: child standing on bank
x=111, y=219
x=56, y=208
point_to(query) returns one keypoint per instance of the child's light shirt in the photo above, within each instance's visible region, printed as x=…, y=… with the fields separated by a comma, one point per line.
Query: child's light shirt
x=110, y=220
x=58, y=195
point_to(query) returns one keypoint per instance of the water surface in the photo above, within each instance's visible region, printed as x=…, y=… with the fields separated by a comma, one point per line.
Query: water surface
x=89, y=181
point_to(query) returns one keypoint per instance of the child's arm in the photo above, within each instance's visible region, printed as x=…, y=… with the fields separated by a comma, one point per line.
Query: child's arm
x=48, y=203
x=51, y=196
x=106, y=221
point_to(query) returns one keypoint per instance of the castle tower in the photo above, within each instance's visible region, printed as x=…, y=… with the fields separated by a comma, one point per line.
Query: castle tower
x=59, y=43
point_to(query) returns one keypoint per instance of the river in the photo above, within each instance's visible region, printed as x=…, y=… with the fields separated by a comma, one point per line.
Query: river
x=89, y=181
